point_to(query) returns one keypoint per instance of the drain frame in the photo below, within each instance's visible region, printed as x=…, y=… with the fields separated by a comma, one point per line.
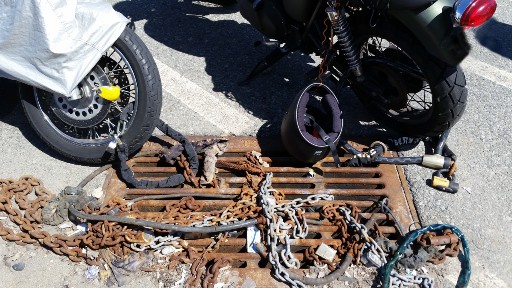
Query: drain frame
x=349, y=185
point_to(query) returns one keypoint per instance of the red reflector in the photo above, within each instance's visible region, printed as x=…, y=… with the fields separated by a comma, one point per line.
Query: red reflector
x=478, y=12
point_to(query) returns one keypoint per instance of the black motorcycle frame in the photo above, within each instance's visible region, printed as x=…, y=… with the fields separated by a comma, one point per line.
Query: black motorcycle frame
x=301, y=25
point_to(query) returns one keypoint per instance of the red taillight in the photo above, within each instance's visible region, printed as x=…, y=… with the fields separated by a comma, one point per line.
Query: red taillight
x=477, y=12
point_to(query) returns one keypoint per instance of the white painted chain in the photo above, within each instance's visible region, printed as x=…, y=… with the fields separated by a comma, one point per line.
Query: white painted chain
x=399, y=281
x=278, y=230
x=159, y=243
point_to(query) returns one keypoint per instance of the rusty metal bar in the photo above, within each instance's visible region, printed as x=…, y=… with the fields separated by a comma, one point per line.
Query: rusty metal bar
x=236, y=191
x=242, y=242
x=346, y=171
x=225, y=203
x=441, y=240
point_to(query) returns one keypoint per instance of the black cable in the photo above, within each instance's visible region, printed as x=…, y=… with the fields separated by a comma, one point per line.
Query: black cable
x=383, y=160
x=336, y=275
x=380, y=203
x=93, y=175
x=103, y=168
x=449, y=153
x=350, y=149
x=173, y=180
x=399, y=160
x=397, y=223
x=162, y=226
x=442, y=142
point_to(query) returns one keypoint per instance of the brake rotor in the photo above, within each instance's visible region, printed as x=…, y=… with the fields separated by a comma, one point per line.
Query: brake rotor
x=90, y=109
x=394, y=88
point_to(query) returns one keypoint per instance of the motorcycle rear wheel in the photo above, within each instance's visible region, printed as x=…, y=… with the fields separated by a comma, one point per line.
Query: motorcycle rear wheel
x=82, y=129
x=410, y=90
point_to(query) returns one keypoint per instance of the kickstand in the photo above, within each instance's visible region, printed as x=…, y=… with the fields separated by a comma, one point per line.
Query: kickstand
x=269, y=60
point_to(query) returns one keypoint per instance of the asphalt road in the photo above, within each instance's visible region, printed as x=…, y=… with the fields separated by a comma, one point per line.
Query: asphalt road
x=203, y=51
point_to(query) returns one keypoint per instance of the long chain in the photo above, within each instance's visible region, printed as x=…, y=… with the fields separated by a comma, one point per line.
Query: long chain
x=27, y=219
x=285, y=221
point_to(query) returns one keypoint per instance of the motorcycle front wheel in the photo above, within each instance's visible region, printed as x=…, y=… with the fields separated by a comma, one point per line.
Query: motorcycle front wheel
x=404, y=86
x=82, y=129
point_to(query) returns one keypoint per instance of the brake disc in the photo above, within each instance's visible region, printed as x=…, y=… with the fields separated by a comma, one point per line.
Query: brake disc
x=90, y=109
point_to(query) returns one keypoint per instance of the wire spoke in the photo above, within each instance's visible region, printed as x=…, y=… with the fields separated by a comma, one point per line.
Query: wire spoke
x=78, y=126
x=418, y=91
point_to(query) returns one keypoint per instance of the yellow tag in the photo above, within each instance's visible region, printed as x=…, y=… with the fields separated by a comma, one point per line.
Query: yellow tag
x=104, y=274
x=110, y=93
x=440, y=182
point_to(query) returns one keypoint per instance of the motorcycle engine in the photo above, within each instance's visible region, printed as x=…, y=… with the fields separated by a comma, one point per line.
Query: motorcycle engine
x=265, y=15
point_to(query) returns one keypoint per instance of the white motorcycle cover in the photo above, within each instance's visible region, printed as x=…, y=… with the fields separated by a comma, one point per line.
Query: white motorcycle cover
x=53, y=44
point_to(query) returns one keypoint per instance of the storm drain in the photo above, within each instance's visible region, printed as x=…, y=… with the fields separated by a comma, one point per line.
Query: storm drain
x=362, y=187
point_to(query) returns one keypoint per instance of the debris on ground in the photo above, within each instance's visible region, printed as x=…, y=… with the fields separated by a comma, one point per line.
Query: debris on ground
x=92, y=272
x=19, y=266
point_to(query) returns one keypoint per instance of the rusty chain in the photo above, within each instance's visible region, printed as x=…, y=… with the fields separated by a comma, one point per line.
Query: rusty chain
x=27, y=219
x=189, y=175
x=186, y=211
x=451, y=243
x=252, y=165
x=105, y=234
x=354, y=236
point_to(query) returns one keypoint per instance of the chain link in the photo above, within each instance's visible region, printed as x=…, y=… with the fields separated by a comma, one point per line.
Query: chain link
x=284, y=219
x=189, y=175
x=398, y=281
x=27, y=218
x=451, y=249
x=173, y=243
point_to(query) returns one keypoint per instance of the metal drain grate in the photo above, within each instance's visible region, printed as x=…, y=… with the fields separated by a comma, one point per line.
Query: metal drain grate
x=356, y=186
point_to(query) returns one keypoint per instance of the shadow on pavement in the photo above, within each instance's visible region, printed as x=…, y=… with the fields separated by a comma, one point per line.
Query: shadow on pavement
x=496, y=36
x=9, y=96
x=227, y=46
x=11, y=113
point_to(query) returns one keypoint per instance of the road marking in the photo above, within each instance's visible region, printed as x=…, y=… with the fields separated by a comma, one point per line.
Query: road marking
x=488, y=71
x=231, y=120
x=215, y=110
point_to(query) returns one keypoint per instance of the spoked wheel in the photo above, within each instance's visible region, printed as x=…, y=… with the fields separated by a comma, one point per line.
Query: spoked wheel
x=405, y=87
x=399, y=86
x=82, y=127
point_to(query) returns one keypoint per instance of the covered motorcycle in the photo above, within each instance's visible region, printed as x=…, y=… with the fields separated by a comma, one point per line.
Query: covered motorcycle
x=87, y=79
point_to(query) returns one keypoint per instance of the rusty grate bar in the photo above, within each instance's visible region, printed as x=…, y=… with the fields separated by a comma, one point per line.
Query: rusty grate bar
x=356, y=186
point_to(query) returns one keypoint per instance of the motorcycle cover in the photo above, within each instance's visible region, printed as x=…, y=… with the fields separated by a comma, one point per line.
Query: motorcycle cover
x=53, y=44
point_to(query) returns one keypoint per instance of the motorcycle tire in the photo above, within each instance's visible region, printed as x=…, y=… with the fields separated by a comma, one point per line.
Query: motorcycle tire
x=418, y=94
x=82, y=129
